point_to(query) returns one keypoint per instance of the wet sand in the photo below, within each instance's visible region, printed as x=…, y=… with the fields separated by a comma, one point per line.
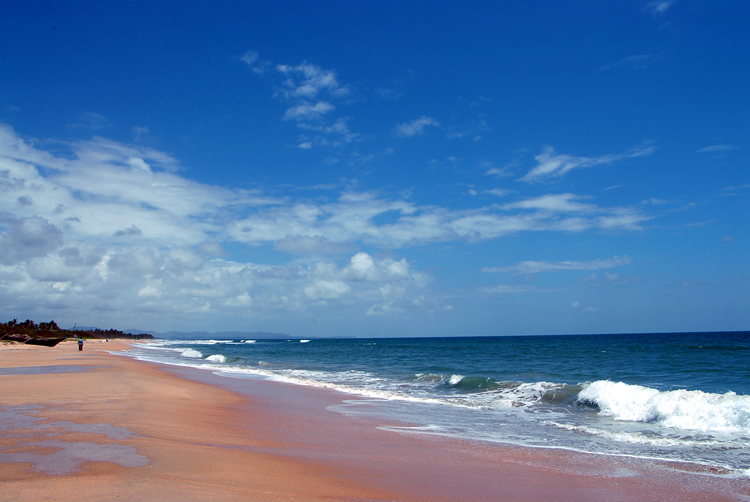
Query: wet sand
x=95, y=426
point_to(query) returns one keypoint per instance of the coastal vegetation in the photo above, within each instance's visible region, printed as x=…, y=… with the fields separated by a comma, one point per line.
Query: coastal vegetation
x=29, y=330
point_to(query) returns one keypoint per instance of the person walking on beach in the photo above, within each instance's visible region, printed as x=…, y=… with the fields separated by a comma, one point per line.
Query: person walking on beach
x=80, y=344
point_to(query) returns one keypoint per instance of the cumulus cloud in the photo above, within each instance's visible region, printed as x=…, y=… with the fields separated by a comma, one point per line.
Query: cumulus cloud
x=536, y=267
x=554, y=165
x=114, y=228
x=29, y=238
x=416, y=126
x=327, y=290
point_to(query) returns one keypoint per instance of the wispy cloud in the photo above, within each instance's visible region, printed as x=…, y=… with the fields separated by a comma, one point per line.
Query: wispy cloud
x=635, y=62
x=309, y=91
x=536, y=267
x=416, y=126
x=89, y=120
x=475, y=130
x=735, y=188
x=564, y=203
x=554, y=165
x=499, y=192
x=252, y=59
x=611, y=278
x=308, y=80
x=305, y=110
x=509, y=169
x=659, y=7
x=716, y=148
x=353, y=218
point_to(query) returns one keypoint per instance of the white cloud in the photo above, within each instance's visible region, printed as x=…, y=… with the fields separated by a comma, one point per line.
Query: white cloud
x=27, y=238
x=416, y=126
x=352, y=218
x=140, y=132
x=716, y=148
x=109, y=228
x=89, y=120
x=536, y=267
x=499, y=192
x=659, y=7
x=515, y=289
x=313, y=245
x=257, y=65
x=564, y=202
x=327, y=290
x=250, y=57
x=509, y=169
x=551, y=164
x=611, y=278
x=307, y=111
x=308, y=80
x=309, y=92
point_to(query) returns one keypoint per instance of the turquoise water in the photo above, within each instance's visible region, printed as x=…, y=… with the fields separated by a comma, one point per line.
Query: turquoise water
x=682, y=397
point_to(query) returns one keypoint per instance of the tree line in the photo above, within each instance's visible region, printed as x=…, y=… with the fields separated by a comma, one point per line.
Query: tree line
x=52, y=330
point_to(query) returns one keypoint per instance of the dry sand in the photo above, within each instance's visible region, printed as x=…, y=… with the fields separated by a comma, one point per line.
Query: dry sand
x=95, y=426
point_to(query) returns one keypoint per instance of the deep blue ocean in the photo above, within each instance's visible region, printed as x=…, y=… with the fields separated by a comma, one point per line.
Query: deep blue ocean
x=683, y=397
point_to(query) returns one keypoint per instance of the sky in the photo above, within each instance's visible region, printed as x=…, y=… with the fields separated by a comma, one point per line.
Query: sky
x=362, y=168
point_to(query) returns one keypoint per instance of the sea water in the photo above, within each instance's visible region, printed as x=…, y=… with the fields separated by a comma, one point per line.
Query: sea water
x=682, y=397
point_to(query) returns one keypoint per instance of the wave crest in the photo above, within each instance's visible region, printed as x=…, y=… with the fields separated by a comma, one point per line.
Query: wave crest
x=678, y=409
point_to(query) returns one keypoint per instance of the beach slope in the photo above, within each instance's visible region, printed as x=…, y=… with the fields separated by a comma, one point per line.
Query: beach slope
x=91, y=425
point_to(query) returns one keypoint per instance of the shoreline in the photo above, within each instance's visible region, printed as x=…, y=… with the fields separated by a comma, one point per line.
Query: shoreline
x=151, y=431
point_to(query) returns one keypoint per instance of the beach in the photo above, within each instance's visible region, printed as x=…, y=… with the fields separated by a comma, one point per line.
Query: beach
x=93, y=425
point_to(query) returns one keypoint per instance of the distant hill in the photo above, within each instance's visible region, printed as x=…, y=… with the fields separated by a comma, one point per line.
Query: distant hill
x=219, y=335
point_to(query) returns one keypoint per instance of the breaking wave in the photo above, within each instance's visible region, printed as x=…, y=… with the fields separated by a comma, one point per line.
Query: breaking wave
x=190, y=353
x=677, y=409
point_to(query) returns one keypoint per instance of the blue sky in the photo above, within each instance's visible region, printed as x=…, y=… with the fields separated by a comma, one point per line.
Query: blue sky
x=376, y=168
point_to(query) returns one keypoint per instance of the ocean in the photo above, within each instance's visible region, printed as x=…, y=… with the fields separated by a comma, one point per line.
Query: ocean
x=682, y=397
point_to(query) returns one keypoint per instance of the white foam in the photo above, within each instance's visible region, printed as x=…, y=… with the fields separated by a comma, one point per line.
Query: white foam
x=190, y=353
x=678, y=409
x=631, y=437
x=216, y=358
x=455, y=379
